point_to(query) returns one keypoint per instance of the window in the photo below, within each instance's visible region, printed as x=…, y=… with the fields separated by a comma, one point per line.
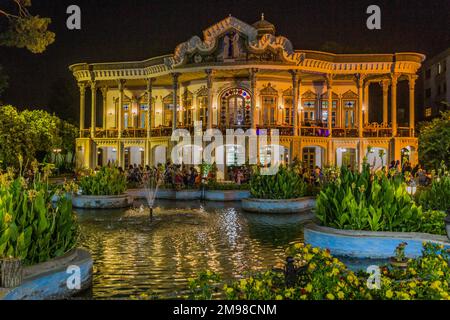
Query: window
x=309, y=111
x=168, y=111
x=325, y=112
x=428, y=93
x=188, y=116
x=144, y=112
x=269, y=109
x=288, y=111
x=428, y=112
x=428, y=74
x=126, y=116
x=349, y=113
x=203, y=109
x=439, y=68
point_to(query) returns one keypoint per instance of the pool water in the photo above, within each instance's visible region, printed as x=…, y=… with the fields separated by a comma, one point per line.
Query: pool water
x=133, y=255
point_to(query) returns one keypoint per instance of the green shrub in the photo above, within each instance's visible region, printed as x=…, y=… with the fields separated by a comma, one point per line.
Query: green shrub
x=31, y=227
x=359, y=201
x=437, y=196
x=286, y=184
x=109, y=181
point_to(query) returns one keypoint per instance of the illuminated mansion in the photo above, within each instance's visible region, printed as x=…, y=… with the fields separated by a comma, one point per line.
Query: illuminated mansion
x=242, y=76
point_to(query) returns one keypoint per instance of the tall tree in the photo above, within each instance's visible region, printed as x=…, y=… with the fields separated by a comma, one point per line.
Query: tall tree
x=24, y=30
x=434, y=141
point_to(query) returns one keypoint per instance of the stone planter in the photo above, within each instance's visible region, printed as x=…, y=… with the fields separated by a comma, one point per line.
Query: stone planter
x=102, y=202
x=60, y=278
x=279, y=206
x=186, y=195
x=368, y=244
x=226, y=195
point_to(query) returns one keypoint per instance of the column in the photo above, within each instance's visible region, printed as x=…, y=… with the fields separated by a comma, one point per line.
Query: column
x=394, y=78
x=195, y=107
x=119, y=112
x=150, y=110
x=330, y=103
x=82, y=87
x=360, y=84
x=104, y=91
x=294, y=74
x=385, y=85
x=209, y=85
x=253, y=73
x=175, y=77
x=93, y=108
x=412, y=105
x=366, y=103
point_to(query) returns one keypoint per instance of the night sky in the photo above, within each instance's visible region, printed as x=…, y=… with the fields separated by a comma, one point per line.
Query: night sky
x=120, y=30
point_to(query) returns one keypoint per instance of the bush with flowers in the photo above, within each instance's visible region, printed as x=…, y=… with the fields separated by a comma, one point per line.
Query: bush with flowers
x=324, y=277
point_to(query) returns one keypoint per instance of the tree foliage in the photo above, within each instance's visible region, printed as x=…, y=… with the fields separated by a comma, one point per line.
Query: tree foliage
x=33, y=135
x=25, y=30
x=434, y=142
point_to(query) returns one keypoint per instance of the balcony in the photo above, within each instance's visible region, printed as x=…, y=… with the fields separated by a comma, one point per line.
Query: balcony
x=370, y=131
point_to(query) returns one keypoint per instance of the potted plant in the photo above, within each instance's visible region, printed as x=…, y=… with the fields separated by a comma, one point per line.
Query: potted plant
x=400, y=260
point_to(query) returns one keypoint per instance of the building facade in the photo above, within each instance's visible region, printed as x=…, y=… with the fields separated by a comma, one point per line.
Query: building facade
x=246, y=76
x=436, y=77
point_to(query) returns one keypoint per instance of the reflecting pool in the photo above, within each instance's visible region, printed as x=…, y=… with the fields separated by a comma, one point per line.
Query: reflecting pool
x=133, y=255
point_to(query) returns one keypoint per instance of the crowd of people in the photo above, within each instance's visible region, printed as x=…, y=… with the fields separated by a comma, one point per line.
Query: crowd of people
x=183, y=177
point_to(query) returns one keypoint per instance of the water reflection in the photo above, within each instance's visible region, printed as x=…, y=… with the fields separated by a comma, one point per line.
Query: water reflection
x=133, y=256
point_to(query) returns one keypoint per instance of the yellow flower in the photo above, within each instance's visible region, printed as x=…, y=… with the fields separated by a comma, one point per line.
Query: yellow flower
x=315, y=250
x=440, y=273
x=335, y=271
x=412, y=284
x=303, y=297
x=7, y=219
x=330, y=296
x=312, y=266
x=229, y=290
x=309, y=287
x=243, y=283
x=340, y=295
x=389, y=294
x=435, y=285
x=444, y=294
x=278, y=297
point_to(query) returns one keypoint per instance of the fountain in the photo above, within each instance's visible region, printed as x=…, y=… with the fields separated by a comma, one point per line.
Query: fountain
x=151, y=181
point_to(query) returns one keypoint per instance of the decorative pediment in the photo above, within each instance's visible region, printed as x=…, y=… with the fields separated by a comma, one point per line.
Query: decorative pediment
x=202, y=92
x=288, y=92
x=168, y=99
x=309, y=95
x=230, y=40
x=350, y=95
x=268, y=91
x=334, y=94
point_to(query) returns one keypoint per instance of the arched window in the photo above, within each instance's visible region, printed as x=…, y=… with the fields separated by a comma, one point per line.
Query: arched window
x=235, y=108
x=269, y=100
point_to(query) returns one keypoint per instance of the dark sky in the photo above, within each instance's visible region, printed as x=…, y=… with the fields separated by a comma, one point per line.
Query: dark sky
x=118, y=30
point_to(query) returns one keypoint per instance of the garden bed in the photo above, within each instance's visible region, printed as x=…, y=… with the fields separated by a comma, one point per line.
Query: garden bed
x=102, y=202
x=48, y=280
x=368, y=244
x=278, y=206
x=226, y=195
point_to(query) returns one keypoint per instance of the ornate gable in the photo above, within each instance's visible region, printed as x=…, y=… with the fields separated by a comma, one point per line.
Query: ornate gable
x=350, y=95
x=334, y=94
x=309, y=95
x=268, y=91
x=288, y=92
x=233, y=40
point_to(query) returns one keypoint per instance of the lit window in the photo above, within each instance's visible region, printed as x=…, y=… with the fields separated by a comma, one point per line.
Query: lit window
x=428, y=112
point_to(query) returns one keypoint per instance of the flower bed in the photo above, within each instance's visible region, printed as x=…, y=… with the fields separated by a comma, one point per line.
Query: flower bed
x=314, y=274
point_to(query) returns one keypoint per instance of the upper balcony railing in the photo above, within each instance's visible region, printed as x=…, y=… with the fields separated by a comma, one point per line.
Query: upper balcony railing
x=369, y=131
